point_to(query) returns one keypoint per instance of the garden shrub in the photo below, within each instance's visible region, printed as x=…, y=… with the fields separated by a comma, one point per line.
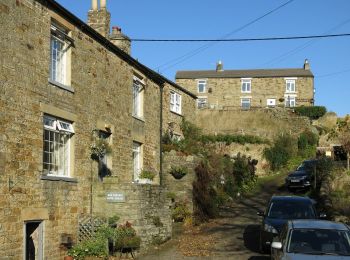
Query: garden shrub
x=180, y=211
x=312, y=112
x=283, y=148
x=229, y=139
x=204, y=194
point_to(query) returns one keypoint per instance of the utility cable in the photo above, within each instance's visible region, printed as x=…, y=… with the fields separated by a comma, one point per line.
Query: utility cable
x=301, y=47
x=190, y=54
x=245, y=39
x=333, y=74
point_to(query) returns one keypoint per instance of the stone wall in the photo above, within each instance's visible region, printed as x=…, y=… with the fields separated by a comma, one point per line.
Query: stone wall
x=255, y=151
x=221, y=92
x=182, y=188
x=138, y=204
x=266, y=123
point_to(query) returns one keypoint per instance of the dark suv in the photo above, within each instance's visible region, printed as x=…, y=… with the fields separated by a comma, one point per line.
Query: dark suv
x=303, y=176
x=281, y=209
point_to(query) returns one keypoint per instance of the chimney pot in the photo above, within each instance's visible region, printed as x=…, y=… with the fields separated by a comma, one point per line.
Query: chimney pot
x=219, y=66
x=306, y=64
x=94, y=5
x=103, y=4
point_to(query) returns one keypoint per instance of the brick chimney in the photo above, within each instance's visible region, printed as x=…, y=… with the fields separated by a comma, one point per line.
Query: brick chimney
x=219, y=66
x=306, y=64
x=99, y=19
x=120, y=40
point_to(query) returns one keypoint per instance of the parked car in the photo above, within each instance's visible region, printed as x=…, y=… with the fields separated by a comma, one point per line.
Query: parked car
x=280, y=209
x=312, y=239
x=303, y=176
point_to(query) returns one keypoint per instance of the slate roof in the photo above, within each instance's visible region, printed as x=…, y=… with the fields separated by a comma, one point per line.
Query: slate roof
x=255, y=73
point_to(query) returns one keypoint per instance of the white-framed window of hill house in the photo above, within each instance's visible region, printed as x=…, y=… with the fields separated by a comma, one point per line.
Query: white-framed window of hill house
x=202, y=85
x=57, y=146
x=137, y=90
x=290, y=86
x=60, y=45
x=175, y=102
x=137, y=160
x=290, y=101
x=246, y=85
x=202, y=102
x=245, y=103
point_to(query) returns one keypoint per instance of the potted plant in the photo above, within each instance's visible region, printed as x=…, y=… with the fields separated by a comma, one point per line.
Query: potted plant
x=100, y=148
x=149, y=175
x=178, y=172
x=126, y=239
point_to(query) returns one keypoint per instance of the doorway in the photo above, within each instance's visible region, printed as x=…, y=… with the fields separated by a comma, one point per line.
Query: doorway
x=33, y=235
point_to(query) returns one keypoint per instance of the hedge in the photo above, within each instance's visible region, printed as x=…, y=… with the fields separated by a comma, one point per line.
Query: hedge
x=313, y=112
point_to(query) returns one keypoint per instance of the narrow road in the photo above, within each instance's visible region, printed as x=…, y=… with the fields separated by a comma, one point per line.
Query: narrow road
x=234, y=235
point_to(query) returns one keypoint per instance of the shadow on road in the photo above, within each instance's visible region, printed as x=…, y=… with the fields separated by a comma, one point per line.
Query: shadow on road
x=251, y=237
x=259, y=258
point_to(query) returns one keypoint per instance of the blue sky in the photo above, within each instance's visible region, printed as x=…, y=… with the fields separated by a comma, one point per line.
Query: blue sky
x=212, y=19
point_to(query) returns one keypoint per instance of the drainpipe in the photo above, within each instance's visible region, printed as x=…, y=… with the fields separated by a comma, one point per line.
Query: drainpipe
x=160, y=136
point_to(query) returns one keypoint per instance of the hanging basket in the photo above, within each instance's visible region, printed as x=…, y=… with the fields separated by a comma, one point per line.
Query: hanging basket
x=178, y=172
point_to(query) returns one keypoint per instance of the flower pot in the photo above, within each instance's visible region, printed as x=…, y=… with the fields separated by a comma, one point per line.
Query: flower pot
x=68, y=257
x=177, y=175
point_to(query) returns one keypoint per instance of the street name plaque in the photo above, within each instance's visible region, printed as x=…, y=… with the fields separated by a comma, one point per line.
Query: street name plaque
x=115, y=197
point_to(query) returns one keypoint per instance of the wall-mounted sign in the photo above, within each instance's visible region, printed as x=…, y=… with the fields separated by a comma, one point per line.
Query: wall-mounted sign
x=115, y=197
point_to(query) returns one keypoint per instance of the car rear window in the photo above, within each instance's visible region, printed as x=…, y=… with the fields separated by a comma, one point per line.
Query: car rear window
x=319, y=242
x=291, y=210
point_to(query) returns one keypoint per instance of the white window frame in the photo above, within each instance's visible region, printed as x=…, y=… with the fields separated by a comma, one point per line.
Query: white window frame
x=290, y=101
x=243, y=99
x=291, y=85
x=246, y=85
x=137, y=90
x=202, y=102
x=175, y=102
x=57, y=147
x=60, y=44
x=203, y=83
x=137, y=160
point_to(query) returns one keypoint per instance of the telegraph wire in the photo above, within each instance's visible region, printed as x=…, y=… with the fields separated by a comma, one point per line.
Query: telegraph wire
x=333, y=74
x=245, y=39
x=190, y=54
x=302, y=46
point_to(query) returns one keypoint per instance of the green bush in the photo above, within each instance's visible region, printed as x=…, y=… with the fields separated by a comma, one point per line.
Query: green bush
x=92, y=247
x=228, y=139
x=180, y=211
x=204, y=196
x=278, y=155
x=312, y=112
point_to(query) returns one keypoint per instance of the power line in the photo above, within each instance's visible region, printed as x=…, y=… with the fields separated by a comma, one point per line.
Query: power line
x=333, y=73
x=244, y=39
x=302, y=46
x=190, y=54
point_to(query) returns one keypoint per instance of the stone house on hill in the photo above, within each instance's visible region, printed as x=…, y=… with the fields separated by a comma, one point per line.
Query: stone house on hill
x=67, y=86
x=245, y=89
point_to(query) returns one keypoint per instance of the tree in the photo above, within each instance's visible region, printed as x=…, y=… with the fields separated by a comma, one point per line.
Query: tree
x=344, y=138
x=342, y=133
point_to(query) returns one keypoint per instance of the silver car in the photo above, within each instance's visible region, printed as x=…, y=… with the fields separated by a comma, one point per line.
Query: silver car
x=312, y=239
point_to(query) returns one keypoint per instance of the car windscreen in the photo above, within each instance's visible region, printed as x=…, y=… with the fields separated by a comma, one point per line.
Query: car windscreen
x=291, y=210
x=319, y=242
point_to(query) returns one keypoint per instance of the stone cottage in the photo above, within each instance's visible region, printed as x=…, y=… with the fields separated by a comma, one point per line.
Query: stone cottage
x=245, y=89
x=68, y=91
